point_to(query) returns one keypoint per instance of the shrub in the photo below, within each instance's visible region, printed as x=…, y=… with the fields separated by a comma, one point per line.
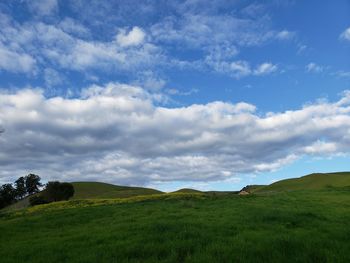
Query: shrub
x=37, y=200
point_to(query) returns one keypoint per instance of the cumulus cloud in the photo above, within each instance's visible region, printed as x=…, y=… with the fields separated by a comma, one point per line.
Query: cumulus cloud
x=117, y=133
x=134, y=37
x=346, y=34
x=320, y=147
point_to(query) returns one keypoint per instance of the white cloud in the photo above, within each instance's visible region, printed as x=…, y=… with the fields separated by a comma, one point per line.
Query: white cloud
x=216, y=37
x=52, y=77
x=285, y=35
x=265, y=68
x=236, y=69
x=239, y=69
x=134, y=37
x=314, y=68
x=150, y=80
x=15, y=61
x=181, y=93
x=43, y=7
x=343, y=74
x=220, y=37
x=117, y=133
x=69, y=25
x=68, y=46
x=346, y=34
x=320, y=147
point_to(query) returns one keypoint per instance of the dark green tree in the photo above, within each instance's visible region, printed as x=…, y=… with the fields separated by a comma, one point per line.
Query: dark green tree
x=32, y=183
x=56, y=191
x=20, y=185
x=7, y=195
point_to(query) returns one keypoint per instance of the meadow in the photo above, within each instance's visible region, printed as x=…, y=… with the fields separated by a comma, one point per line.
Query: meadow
x=288, y=226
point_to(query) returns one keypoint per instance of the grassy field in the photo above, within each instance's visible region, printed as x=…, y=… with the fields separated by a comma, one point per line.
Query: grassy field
x=305, y=219
x=297, y=226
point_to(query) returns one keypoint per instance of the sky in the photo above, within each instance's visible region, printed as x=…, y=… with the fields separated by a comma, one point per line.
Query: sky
x=212, y=95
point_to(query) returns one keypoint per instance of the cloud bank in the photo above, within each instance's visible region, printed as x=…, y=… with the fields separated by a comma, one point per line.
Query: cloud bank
x=120, y=133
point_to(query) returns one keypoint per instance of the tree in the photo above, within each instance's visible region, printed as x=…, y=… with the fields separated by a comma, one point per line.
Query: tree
x=7, y=195
x=56, y=191
x=20, y=185
x=32, y=183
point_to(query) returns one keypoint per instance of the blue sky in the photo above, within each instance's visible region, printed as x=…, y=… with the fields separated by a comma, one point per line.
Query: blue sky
x=169, y=94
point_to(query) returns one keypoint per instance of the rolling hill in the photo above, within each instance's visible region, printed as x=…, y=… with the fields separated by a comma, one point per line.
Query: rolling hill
x=95, y=190
x=315, y=181
x=208, y=193
x=187, y=191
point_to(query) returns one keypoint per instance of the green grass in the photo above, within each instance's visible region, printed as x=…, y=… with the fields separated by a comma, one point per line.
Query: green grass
x=299, y=226
x=315, y=181
x=94, y=190
x=305, y=219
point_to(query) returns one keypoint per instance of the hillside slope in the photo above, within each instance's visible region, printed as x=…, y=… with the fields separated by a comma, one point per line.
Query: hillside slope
x=95, y=190
x=316, y=181
x=252, y=188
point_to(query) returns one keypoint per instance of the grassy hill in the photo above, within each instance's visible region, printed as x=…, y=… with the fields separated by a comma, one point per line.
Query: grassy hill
x=316, y=181
x=187, y=190
x=208, y=193
x=95, y=190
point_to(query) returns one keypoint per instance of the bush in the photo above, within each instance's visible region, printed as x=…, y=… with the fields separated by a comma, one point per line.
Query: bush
x=37, y=200
x=56, y=191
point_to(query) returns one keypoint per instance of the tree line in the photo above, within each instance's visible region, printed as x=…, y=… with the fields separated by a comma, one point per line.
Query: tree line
x=29, y=186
